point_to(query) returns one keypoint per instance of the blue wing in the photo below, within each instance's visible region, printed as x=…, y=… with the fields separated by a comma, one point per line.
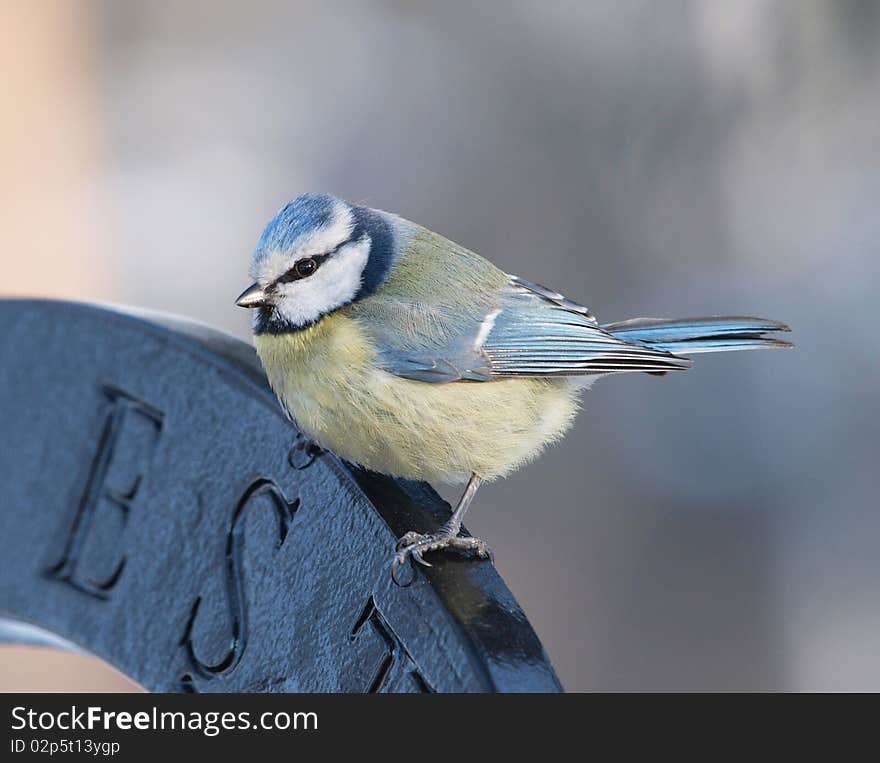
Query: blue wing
x=538, y=332
x=529, y=331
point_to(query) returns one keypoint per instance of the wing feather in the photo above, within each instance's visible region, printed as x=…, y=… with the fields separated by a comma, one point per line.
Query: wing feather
x=538, y=332
x=531, y=331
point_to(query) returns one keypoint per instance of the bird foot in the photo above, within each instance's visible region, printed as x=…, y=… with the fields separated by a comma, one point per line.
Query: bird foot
x=415, y=544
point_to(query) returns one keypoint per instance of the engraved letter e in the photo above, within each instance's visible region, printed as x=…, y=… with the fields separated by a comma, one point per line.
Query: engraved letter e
x=128, y=439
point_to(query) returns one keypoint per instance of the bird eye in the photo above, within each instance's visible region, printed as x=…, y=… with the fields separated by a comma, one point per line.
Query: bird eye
x=305, y=268
x=302, y=269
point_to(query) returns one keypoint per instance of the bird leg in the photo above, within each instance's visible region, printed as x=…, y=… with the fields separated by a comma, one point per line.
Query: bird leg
x=415, y=544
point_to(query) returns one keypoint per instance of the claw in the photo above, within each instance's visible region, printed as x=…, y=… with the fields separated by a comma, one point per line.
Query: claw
x=417, y=555
x=414, y=545
x=395, y=572
x=483, y=551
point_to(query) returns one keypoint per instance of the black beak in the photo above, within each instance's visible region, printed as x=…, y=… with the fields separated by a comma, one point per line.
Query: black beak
x=252, y=296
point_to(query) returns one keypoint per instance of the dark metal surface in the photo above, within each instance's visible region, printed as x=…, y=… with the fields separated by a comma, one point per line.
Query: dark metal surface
x=157, y=510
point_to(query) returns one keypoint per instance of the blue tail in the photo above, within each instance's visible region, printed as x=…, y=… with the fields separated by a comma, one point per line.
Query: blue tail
x=688, y=336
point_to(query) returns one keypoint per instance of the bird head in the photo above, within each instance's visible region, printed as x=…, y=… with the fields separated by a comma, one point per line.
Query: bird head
x=317, y=255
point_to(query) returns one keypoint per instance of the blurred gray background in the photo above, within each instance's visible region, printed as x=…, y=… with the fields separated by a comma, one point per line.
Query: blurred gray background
x=715, y=530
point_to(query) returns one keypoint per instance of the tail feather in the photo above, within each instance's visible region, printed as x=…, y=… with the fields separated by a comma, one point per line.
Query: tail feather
x=688, y=336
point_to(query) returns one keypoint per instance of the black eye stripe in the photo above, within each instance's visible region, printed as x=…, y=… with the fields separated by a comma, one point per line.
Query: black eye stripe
x=318, y=259
x=295, y=275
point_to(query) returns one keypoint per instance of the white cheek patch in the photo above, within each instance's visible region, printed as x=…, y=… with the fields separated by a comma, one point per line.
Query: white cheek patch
x=334, y=284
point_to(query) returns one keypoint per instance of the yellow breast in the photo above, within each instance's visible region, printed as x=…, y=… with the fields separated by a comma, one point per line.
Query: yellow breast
x=327, y=379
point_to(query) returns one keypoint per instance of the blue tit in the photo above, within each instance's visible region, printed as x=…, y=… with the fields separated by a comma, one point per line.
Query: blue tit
x=404, y=352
